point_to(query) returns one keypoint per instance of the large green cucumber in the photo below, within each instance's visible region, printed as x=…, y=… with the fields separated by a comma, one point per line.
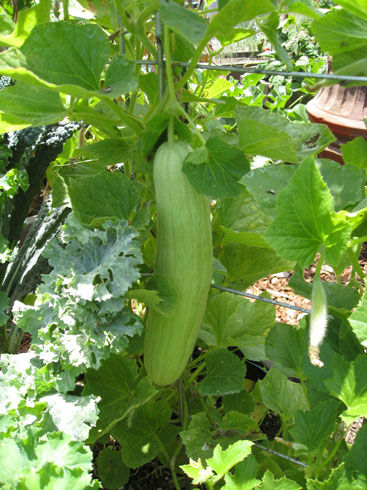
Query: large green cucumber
x=184, y=256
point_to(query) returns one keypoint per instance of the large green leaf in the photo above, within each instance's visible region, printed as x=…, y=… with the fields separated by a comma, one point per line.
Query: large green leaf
x=225, y=373
x=120, y=76
x=313, y=428
x=247, y=264
x=344, y=36
x=27, y=19
x=269, y=482
x=244, y=477
x=235, y=321
x=32, y=105
x=281, y=395
x=340, y=31
x=345, y=182
x=303, y=7
x=349, y=384
x=304, y=224
x=358, y=321
x=287, y=347
x=357, y=7
x=235, y=12
x=71, y=54
x=223, y=461
x=216, y=169
x=140, y=436
x=356, y=457
x=265, y=184
x=88, y=196
x=273, y=135
x=108, y=151
x=242, y=215
x=183, y=21
x=110, y=468
x=121, y=388
x=339, y=479
x=355, y=152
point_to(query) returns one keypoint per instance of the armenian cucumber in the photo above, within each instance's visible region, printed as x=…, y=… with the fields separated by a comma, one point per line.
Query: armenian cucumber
x=184, y=256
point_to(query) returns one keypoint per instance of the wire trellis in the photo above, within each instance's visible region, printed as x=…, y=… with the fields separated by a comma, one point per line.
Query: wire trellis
x=260, y=298
x=244, y=69
x=284, y=456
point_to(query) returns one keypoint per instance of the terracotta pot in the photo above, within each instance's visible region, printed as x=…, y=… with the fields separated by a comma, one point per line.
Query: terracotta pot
x=344, y=110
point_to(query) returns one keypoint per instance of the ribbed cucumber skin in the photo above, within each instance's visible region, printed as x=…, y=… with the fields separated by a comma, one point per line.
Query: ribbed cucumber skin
x=184, y=256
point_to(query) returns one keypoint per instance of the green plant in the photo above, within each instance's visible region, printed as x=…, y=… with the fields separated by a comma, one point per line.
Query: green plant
x=83, y=385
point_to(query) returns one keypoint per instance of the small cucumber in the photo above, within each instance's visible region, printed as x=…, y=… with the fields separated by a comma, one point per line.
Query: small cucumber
x=318, y=321
x=184, y=256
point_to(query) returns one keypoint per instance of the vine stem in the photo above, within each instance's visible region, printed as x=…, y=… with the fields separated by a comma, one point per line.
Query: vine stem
x=355, y=264
x=329, y=458
x=167, y=54
x=175, y=106
x=319, y=264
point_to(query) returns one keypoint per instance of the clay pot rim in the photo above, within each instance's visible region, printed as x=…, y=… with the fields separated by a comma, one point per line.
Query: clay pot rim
x=329, y=118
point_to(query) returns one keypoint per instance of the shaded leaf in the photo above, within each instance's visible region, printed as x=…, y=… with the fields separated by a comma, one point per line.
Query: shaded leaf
x=111, y=470
x=225, y=373
x=88, y=196
x=345, y=182
x=121, y=388
x=355, y=152
x=234, y=321
x=216, y=170
x=313, y=428
x=287, y=346
x=358, y=321
x=183, y=21
x=120, y=76
x=281, y=395
x=265, y=184
x=140, y=436
x=356, y=457
x=106, y=152
x=247, y=264
x=349, y=384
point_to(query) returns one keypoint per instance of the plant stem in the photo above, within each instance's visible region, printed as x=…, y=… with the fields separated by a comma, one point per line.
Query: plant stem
x=329, y=458
x=167, y=54
x=194, y=61
x=355, y=264
x=65, y=7
x=319, y=264
x=158, y=37
x=196, y=372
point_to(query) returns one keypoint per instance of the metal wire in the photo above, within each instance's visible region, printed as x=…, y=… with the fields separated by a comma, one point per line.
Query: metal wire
x=295, y=74
x=288, y=458
x=259, y=298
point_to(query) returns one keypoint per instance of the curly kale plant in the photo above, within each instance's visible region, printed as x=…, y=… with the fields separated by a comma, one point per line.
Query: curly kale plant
x=83, y=315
